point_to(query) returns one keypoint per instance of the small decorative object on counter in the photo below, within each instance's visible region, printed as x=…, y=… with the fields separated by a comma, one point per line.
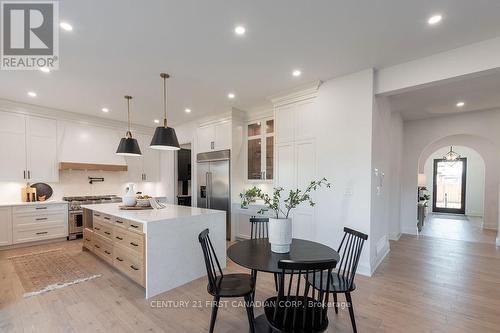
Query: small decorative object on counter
x=143, y=201
x=43, y=191
x=129, y=198
x=28, y=194
x=280, y=226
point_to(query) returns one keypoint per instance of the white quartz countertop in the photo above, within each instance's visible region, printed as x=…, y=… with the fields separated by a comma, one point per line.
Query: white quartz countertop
x=151, y=215
x=20, y=203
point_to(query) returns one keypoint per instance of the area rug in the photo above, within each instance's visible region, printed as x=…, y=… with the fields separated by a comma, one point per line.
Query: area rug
x=45, y=271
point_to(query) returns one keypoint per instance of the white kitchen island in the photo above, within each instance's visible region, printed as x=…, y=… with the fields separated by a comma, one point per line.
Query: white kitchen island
x=158, y=249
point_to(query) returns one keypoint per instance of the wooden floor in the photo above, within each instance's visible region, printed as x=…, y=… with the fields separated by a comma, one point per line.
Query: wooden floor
x=424, y=285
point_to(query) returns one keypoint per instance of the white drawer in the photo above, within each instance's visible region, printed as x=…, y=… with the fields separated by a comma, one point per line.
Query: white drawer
x=41, y=219
x=23, y=235
x=39, y=208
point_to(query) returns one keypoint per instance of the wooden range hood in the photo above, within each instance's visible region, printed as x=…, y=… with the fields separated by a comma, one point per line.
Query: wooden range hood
x=92, y=166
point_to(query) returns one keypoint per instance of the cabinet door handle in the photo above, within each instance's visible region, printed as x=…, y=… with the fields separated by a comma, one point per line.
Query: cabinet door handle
x=97, y=246
x=119, y=259
x=134, y=268
x=119, y=238
x=97, y=228
x=134, y=244
x=107, y=252
x=42, y=233
x=29, y=175
x=24, y=174
x=107, y=233
x=134, y=226
x=118, y=221
x=41, y=219
x=107, y=218
x=41, y=208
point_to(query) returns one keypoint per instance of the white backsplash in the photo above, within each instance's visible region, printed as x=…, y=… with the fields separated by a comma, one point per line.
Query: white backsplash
x=76, y=183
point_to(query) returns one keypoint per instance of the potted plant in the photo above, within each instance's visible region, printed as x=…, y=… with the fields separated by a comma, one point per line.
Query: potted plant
x=280, y=225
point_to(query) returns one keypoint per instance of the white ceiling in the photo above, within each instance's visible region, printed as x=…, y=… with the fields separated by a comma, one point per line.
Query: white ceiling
x=478, y=93
x=119, y=47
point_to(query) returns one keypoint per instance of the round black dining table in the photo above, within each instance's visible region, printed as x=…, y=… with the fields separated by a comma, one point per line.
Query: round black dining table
x=256, y=254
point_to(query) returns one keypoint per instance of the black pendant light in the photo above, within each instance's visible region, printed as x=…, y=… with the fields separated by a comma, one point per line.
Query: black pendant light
x=164, y=137
x=128, y=145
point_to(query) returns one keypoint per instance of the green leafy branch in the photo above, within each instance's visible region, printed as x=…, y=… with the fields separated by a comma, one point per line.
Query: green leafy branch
x=294, y=199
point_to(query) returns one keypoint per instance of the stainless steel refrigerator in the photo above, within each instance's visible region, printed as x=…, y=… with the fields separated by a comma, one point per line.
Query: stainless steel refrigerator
x=214, y=183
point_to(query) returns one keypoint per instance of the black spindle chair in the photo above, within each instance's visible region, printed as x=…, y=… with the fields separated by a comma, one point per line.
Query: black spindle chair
x=260, y=229
x=294, y=309
x=229, y=285
x=343, y=278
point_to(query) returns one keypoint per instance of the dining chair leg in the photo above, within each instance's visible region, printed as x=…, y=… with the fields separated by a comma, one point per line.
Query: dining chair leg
x=254, y=276
x=351, y=311
x=336, y=305
x=276, y=281
x=215, y=307
x=249, y=308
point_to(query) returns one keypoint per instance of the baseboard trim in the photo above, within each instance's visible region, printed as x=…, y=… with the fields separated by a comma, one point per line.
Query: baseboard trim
x=498, y=241
x=394, y=236
x=381, y=258
x=410, y=231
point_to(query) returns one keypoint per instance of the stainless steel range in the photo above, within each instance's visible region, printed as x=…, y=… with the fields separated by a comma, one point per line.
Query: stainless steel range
x=75, y=216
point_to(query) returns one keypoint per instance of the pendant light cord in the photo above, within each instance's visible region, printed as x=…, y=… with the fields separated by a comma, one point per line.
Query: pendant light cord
x=129, y=133
x=165, y=76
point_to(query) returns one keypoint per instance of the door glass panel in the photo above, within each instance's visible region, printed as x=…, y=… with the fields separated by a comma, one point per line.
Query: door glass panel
x=269, y=157
x=254, y=129
x=254, y=158
x=270, y=126
x=448, y=183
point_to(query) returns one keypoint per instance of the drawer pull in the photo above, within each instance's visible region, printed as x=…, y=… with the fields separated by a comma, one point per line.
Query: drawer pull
x=107, y=252
x=97, y=228
x=41, y=219
x=106, y=218
x=97, y=246
x=97, y=214
x=119, y=238
x=88, y=240
x=134, y=244
x=107, y=233
x=41, y=208
x=119, y=259
x=134, y=268
x=134, y=226
x=118, y=221
x=42, y=233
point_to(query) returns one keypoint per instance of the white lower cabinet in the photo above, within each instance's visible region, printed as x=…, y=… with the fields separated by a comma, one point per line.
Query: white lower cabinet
x=242, y=219
x=5, y=226
x=30, y=223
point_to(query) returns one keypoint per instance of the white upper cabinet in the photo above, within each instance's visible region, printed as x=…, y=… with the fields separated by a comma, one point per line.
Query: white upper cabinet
x=147, y=166
x=214, y=137
x=13, y=147
x=42, y=150
x=260, y=150
x=30, y=148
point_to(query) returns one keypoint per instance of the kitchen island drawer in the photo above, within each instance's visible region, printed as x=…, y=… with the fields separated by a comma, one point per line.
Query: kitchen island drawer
x=130, y=264
x=87, y=239
x=103, y=229
x=103, y=248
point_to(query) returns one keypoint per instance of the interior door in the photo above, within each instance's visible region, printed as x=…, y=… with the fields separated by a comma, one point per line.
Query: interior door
x=448, y=193
x=202, y=191
x=219, y=192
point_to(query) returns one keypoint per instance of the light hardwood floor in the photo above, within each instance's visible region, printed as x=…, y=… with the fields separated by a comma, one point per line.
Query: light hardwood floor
x=424, y=285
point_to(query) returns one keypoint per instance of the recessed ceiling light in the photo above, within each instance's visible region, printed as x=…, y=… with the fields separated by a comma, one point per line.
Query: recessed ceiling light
x=187, y=110
x=435, y=19
x=231, y=95
x=105, y=110
x=240, y=30
x=296, y=72
x=157, y=121
x=460, y=104
x=31, y=94
x=66, y=26
x=45, y=69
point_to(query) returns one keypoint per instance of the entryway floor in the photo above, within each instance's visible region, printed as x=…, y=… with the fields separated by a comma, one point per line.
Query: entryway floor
x=457, y=227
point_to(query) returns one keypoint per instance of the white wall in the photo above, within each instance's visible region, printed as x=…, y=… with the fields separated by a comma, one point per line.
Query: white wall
x=474, y=189
x=477, y=130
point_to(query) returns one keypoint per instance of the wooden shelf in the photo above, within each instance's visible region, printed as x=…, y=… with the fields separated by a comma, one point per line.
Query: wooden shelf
x=92, y=167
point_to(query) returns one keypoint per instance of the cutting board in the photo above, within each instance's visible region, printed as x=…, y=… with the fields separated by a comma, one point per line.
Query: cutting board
x=135, y=208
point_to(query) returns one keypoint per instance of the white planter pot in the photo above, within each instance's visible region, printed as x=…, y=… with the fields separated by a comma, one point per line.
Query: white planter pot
x=280, y=235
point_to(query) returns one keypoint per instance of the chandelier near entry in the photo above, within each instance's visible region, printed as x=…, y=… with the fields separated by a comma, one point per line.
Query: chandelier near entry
x=451, y=155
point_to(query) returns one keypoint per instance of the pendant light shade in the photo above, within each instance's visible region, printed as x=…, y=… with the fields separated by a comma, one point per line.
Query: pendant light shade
x=165, y=137
x=128, y=145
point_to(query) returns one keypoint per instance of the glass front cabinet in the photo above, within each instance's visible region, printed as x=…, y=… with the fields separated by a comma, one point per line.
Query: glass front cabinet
x=260, y=149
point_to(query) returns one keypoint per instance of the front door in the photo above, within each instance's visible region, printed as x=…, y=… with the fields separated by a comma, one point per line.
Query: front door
x=448, y=194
